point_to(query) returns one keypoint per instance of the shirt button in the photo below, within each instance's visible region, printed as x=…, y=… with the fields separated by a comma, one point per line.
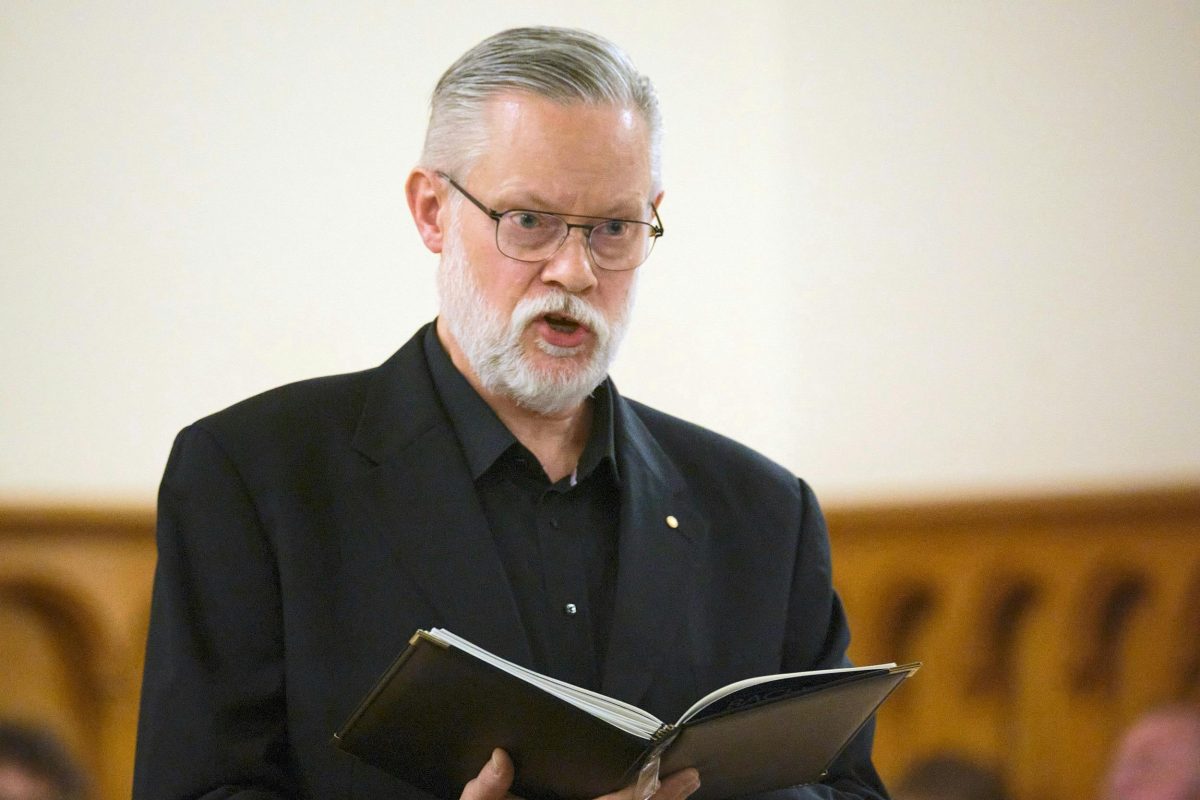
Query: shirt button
x=554, y=523
x=570, y=609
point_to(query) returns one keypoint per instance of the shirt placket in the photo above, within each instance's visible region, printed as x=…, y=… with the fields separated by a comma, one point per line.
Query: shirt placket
x=565, y=579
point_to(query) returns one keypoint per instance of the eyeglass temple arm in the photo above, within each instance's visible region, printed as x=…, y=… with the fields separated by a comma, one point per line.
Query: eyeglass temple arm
x=491, y=212
x=658, y=228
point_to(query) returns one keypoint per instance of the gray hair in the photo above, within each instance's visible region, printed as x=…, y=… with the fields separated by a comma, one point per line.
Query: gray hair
x=565, y=65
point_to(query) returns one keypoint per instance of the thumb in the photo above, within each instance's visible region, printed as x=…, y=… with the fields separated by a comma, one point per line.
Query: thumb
x=493, y=781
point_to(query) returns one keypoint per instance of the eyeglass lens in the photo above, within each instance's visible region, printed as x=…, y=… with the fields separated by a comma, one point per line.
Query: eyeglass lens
x=534, y=236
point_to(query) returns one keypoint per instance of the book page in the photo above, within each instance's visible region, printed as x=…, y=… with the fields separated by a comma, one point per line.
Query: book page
x=773, y=687
x=624, y=716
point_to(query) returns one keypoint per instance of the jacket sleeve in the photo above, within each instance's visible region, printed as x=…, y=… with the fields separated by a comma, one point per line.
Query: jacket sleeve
x=817, y=639
x=213, y=716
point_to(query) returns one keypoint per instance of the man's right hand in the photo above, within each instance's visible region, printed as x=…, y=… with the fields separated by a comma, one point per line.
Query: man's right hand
x=496, y=777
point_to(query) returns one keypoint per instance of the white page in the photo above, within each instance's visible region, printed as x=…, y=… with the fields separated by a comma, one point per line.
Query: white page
x=717, y=694
x=628, y=718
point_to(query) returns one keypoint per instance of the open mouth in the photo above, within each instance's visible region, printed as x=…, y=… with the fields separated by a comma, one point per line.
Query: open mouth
x=560, y=330
x=561, y=323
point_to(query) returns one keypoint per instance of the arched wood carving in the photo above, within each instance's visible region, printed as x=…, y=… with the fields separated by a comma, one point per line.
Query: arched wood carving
x=1106, y=610
x=1006, y=604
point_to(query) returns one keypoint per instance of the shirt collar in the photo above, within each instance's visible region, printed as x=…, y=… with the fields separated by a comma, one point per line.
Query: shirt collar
x=484, y=438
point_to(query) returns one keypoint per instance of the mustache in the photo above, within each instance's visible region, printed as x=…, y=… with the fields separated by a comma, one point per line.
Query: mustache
x=560, y=303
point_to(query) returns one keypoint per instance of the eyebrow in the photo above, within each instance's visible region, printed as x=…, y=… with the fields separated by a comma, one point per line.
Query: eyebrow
x=628, y=214
x=623, y=209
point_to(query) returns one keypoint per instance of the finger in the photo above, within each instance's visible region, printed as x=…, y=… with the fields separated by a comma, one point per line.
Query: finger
x=678, y=785
x=493, y=781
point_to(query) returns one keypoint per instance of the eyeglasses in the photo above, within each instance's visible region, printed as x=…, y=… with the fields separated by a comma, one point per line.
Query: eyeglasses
x=526, y=235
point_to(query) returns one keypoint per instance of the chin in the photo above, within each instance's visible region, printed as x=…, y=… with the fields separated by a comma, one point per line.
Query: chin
x=550, y=385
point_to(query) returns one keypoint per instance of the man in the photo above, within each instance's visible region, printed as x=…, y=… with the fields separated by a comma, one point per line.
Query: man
x=950, y=776
x=1158, y=757
x=36, y=765
x=488, y=478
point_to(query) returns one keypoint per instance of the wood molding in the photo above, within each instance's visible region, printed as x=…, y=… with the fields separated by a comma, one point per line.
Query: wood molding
x=1165, y=503
x=1175, y=501
x=75, y=518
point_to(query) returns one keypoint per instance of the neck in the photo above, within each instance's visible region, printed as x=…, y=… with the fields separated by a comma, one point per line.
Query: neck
x=556, y=440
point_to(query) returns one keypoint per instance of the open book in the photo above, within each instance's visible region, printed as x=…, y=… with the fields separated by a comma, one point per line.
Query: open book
x=444, y=704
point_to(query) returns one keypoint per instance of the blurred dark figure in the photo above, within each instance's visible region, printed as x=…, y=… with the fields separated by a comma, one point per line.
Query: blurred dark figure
x=1158, y=757
x=34, y=765
x=950, y=777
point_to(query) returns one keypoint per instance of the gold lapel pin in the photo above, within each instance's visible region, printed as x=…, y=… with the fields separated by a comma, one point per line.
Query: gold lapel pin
x=672, y=522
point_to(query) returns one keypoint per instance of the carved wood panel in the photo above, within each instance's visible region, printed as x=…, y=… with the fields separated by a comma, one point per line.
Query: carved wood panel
x=1045, y=624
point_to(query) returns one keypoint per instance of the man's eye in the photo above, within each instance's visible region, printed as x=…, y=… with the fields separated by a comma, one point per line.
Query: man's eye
x=527, y=220
x=614, y=227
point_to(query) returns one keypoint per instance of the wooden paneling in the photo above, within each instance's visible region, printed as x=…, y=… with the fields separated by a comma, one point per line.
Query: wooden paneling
x=1045, y=623
x=74, y=603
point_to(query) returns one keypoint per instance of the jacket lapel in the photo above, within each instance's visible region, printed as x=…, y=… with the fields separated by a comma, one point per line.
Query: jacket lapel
x=413, y=516
x=656, y=560
x=420, y=516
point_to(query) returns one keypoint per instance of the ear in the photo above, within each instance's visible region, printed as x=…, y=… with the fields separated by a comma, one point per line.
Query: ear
x=658, y=200
x=426, y=201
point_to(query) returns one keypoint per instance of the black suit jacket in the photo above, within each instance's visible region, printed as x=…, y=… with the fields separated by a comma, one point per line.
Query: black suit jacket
x=306, y=533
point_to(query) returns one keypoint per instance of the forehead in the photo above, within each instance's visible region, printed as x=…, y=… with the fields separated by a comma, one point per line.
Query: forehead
x=574, y=155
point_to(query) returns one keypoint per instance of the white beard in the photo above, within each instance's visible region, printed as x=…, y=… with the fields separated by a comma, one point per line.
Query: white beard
x=493, y=346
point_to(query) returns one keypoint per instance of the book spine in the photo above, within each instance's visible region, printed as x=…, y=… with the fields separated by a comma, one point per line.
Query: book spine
x=339, y=737
x=661, y=740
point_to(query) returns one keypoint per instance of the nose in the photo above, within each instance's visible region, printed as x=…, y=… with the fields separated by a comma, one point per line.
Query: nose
x=571, y=267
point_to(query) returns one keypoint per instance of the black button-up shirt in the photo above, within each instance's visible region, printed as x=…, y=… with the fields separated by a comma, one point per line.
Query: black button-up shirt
x=557, y=541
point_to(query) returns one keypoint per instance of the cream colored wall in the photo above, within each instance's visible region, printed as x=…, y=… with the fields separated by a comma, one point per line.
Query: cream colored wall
x=912, y=247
